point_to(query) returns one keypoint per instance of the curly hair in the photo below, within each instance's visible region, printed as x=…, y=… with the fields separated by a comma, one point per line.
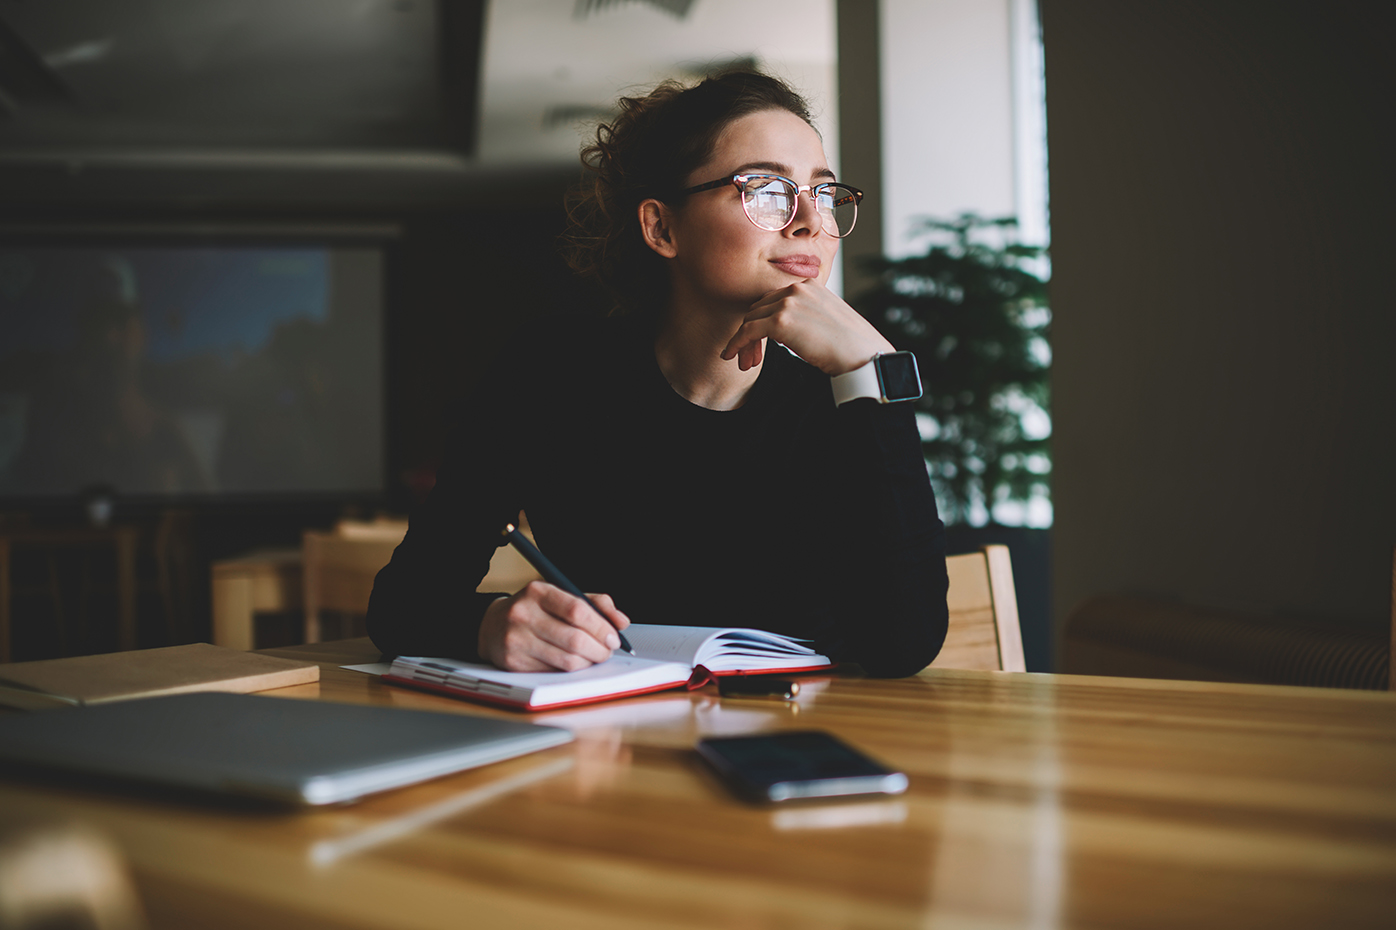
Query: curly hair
x=651, y=146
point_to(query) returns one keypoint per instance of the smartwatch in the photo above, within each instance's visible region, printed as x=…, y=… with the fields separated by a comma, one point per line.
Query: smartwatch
x=888, y=378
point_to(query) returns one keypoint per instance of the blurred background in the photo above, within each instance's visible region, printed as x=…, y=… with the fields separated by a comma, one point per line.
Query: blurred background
x=253, y=255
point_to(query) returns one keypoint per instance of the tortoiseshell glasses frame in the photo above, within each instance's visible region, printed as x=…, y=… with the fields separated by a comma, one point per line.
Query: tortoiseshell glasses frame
x=770, y=201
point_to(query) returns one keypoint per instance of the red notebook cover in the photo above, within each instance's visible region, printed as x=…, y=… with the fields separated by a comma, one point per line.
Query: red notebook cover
x=677, y=648
x=497, y=701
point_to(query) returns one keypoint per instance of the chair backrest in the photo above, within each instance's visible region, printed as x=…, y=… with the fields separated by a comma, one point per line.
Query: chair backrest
x=340, y=566
x=984, y=631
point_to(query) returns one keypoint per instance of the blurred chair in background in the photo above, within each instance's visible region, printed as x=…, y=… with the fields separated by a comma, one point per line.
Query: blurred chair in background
x=340, y=566
x=172, y=545
x=332, y=572
x=266, y=581
x=1142, y=637
x=71, y=607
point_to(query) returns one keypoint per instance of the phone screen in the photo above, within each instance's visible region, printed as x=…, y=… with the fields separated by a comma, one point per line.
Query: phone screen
x=799, y=764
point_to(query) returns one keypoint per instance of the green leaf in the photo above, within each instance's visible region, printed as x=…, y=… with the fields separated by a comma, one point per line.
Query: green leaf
x=963, y=307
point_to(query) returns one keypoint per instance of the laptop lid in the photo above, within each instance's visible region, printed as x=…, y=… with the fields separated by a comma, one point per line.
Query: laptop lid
x=296, y=751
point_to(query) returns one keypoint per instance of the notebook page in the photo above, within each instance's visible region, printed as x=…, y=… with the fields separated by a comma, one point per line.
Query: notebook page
x=618, y=665
x=670, y=643
x=763, y=640
x=734, y=645
x=618, y=674
x=720, y=648
x=765, y=662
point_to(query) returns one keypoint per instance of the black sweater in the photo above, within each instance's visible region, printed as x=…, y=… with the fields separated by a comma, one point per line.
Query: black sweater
x=786, y=514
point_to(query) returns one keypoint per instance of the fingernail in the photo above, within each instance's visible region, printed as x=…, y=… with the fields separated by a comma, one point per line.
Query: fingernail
x=612, y=641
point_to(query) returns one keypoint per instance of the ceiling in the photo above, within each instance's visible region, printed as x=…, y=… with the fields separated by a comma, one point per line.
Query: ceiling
x=550, y=66
x=345, y=104
x=368, y=74
x=220, y=73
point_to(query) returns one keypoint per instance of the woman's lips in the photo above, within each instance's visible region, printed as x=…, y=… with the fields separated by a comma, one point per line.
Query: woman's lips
x=801, y=266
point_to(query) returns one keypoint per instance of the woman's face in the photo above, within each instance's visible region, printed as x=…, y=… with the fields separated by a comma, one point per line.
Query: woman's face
x=720, y=256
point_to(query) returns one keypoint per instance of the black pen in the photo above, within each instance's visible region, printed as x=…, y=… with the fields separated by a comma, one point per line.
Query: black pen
x=554, y=577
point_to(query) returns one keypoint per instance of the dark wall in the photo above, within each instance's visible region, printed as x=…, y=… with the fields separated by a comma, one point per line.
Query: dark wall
x=1223, y=389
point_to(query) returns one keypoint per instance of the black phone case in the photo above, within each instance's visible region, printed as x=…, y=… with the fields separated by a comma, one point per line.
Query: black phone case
x=776, y=767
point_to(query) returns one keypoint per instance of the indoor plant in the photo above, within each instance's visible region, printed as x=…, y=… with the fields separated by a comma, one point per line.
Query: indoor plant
x=974, y=309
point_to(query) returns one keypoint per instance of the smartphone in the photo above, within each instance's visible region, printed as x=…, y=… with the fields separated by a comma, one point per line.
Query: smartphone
x=797, y=764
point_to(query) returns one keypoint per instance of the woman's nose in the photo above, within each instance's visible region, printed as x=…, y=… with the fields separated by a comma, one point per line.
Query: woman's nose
x=808, y=220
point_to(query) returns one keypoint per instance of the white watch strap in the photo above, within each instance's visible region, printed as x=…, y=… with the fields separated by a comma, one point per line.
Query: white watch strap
x=860, y=382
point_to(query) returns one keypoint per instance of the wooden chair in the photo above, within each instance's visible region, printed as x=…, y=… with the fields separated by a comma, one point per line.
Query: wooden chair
x=1133, y=636
x=262, y=581
x=339, y=567
x=120, y=541
x=984, y=632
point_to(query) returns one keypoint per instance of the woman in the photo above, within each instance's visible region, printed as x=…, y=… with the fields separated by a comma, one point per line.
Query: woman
x=675, y=458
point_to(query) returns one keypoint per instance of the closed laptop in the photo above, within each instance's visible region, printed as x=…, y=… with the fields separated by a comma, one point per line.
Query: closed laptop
x=296, y=751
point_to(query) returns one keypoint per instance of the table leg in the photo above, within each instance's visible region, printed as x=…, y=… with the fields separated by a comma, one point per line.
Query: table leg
x=55, y=593
x=4, y=600
x=126, y=586
x=233, y=619
x=311, y=566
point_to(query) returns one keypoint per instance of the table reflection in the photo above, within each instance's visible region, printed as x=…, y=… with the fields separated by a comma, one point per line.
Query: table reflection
x=838, y=816
x=329, y=851
x=1000, y=853
x=705, y=713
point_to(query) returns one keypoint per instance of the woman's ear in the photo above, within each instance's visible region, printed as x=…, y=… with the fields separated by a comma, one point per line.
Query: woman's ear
x=656, y=226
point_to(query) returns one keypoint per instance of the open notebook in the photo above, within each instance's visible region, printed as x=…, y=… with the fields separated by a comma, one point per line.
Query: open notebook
x=665, y=657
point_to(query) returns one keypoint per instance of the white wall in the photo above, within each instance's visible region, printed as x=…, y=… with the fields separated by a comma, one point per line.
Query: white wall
x=947, y=113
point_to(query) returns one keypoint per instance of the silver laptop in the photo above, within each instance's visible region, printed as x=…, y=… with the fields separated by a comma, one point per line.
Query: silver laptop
x=297, y=751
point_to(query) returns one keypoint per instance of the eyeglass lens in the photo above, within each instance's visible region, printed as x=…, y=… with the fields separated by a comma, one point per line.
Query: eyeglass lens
x=770, y=202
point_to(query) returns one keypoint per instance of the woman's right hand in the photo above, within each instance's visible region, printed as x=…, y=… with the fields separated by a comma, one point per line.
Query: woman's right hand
x=544, y=629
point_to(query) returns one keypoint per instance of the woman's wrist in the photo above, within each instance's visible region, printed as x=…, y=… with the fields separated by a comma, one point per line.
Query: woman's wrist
x=853, y=360
x=482, y=646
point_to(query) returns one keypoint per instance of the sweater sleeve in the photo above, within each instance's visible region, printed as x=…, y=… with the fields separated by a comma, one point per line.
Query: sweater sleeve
x=892, y=541
x=424, y=601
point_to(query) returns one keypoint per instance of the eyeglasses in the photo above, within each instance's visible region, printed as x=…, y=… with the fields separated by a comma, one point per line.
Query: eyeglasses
x=771, y=201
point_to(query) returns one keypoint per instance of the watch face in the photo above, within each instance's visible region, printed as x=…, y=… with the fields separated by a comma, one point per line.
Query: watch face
x=898, y=375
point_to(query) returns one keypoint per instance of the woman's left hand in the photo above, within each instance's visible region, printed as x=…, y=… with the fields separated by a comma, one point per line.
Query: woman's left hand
x=811, y=321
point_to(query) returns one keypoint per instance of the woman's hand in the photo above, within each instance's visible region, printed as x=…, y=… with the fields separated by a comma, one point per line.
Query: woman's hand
x=811, y=321
x=544, y=629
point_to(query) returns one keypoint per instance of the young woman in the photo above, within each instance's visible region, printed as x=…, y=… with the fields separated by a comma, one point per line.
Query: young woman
x=686, y=458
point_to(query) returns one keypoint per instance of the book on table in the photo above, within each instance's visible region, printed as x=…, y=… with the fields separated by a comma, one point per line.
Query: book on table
x=665, y=657
x=138, y=673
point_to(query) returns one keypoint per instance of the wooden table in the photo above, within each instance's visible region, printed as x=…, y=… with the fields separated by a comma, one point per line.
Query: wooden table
x=1035, y=801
